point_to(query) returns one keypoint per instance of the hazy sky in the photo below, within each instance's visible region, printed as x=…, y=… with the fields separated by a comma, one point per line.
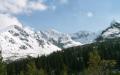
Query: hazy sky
x=66, y=15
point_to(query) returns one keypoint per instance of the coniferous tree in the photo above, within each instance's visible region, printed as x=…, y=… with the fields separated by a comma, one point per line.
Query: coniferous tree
x=65, y=70
x=2, y=66
x=97, y=66
x=42, y=72
x=22, y=73
x=31, y=69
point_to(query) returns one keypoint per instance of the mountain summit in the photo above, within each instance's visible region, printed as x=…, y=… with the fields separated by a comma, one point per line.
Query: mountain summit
x=19, y=42
x=59, y=39
x=85, y=37
x=113, y=31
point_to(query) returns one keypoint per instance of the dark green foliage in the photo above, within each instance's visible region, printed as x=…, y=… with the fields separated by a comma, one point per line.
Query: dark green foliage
x=97, y=57
x=2, y=66
x=98, y=66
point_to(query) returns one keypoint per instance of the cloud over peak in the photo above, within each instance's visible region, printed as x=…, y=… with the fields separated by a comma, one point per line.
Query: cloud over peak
x=8, y=8
x=8, y=20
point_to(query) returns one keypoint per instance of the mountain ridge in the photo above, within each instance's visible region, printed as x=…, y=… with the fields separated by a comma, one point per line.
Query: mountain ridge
x=17, y=42
x=20, y=42
x=113, y=31
x=59, y=39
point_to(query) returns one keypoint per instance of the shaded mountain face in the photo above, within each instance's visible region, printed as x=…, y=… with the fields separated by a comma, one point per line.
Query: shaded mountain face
x=19, y=42
x=85, y=37
x=59, y=39
x=111, y=32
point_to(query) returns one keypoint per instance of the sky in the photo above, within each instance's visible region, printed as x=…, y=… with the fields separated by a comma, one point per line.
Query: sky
x=67, y=16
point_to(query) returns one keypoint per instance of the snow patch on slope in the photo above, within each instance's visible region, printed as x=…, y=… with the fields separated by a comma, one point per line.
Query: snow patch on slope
x=111, y=32
x=59, y=39
x=18, y=42
x=84, y=37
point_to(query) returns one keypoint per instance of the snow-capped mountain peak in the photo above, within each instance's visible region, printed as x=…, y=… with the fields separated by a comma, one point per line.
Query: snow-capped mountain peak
x=19, y=42
x=59, y=39
x=112, y=31
x=53, y=32
x=85, y=37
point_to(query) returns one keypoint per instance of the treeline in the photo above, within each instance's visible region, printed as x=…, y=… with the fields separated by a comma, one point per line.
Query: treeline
x=100, y=58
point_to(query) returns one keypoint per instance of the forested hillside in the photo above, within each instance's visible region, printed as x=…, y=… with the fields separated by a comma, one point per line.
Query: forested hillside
x=100, y=58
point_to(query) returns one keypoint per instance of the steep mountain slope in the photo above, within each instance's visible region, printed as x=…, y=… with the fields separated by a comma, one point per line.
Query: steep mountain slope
x=111, y=32
x=84, y=37
x=19, y=42
x=59, y=39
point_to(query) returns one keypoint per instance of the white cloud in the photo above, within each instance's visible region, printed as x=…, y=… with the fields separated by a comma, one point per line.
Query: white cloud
x=12, y=7
x=8, y=20
x=21, y=6
x=90, y=14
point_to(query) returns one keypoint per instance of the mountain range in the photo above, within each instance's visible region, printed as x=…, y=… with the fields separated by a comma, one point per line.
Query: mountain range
x=18, y=42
